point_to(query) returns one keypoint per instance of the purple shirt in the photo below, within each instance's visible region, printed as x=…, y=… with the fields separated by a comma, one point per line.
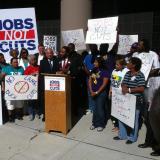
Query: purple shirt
x=97, y=79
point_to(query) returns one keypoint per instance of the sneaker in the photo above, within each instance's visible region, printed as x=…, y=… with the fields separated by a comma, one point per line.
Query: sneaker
x=92, y=127
x=116, y=138
x=129, y=142
x=31, y=117
x=100, y=129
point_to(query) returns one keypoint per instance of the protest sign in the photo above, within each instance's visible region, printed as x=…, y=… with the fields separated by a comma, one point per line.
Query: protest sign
x=1, y=115
x=147, y=61
x=21, y=87
x=123, y=107
x=54, y=83
x=18, y=30
x=76, y=37
x=125, y=42
x=102, y=30
x=50, y=41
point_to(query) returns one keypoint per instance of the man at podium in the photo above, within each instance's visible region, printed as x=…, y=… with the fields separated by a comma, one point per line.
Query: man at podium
x=49, y=65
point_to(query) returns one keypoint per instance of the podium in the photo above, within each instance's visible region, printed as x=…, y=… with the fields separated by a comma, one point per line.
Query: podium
x=57, y=103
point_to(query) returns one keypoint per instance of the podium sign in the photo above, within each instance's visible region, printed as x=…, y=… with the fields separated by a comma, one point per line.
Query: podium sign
x=54, y=83
x=57, y=103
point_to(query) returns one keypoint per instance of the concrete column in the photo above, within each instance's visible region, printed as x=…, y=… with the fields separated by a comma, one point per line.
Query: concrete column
x=75, y=14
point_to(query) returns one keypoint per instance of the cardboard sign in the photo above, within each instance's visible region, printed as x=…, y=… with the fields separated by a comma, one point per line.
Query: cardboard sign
x=21, y=87
x=102, y=30
x=123, y=107
x=125, y=42
x=50, y=42
x=18, y=30
x=76, y=37
x=54, y=83
x=147, y=61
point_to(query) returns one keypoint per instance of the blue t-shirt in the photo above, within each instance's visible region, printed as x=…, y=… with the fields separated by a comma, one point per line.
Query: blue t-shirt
x=87, y=61
x=97, y=78
x=9, y=70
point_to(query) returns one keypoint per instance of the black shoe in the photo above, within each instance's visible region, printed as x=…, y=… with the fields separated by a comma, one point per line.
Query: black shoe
x=155, y=153
x=144, y=145
x=11, y=120
x=129, y=142
x=116, y=138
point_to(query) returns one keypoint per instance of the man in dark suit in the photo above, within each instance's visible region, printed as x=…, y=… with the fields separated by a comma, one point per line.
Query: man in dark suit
x=48, y=65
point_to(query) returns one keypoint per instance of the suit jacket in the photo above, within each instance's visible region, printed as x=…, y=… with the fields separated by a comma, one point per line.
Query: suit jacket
x=45, y=66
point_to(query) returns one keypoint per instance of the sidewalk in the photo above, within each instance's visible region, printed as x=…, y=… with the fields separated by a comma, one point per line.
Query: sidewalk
x=26, y=140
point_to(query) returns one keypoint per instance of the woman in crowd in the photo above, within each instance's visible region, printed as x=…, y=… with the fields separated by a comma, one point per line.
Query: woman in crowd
x=32, y=69
x=133, y=83
x=98, y=81
x=13, y=69
x=23, y=58
x=116, y=80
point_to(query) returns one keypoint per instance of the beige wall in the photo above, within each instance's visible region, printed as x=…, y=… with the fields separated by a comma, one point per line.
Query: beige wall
x=74, y=14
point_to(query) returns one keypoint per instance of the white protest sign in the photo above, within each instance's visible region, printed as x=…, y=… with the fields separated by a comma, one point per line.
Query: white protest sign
x=18, y=30
x=147, y=61
x=123, y=107
x=54, y=83
x=21, y=87
x=102, y=30
x=50, y=42
x=76, y=37
x=1, y=115
x=125, y=42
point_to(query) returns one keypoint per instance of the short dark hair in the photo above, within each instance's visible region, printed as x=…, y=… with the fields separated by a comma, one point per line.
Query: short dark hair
x=1, y=54
x=146, y=45
x=101, y=62
x=13, y=59
x=103, y=49
x=137, y=62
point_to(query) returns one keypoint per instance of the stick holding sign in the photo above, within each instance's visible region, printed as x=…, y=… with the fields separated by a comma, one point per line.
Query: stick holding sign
x=123, y=107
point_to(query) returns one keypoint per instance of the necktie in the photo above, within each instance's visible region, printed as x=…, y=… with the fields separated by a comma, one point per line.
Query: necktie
x=50, y=63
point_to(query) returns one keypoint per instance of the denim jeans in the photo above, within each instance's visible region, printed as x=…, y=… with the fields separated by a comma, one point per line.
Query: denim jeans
x=133, y=133
x=91, y=102
x=99, y=112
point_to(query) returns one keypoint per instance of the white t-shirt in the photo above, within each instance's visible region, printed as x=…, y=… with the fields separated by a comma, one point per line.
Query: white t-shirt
x=117, y=77
x=40, y=57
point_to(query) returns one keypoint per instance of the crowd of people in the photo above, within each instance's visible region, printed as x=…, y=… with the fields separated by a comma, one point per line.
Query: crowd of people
x=94, y=74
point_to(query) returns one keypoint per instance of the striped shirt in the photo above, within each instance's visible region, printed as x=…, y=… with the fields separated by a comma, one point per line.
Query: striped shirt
x=134, y=81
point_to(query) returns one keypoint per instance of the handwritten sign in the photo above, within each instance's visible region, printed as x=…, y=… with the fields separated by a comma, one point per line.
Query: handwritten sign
x=147, y=61
x=123, y=107
x=1, y=116
x=76, y=37
x=21, y=87
x=50, y=42
x=125, y=42
x=102, y=30
x=54, y=83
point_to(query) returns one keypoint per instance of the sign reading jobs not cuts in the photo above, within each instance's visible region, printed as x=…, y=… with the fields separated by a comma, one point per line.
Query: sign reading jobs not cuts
x=123, y=107
x=21, y=87
x=102, y=30
x=18, y=30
